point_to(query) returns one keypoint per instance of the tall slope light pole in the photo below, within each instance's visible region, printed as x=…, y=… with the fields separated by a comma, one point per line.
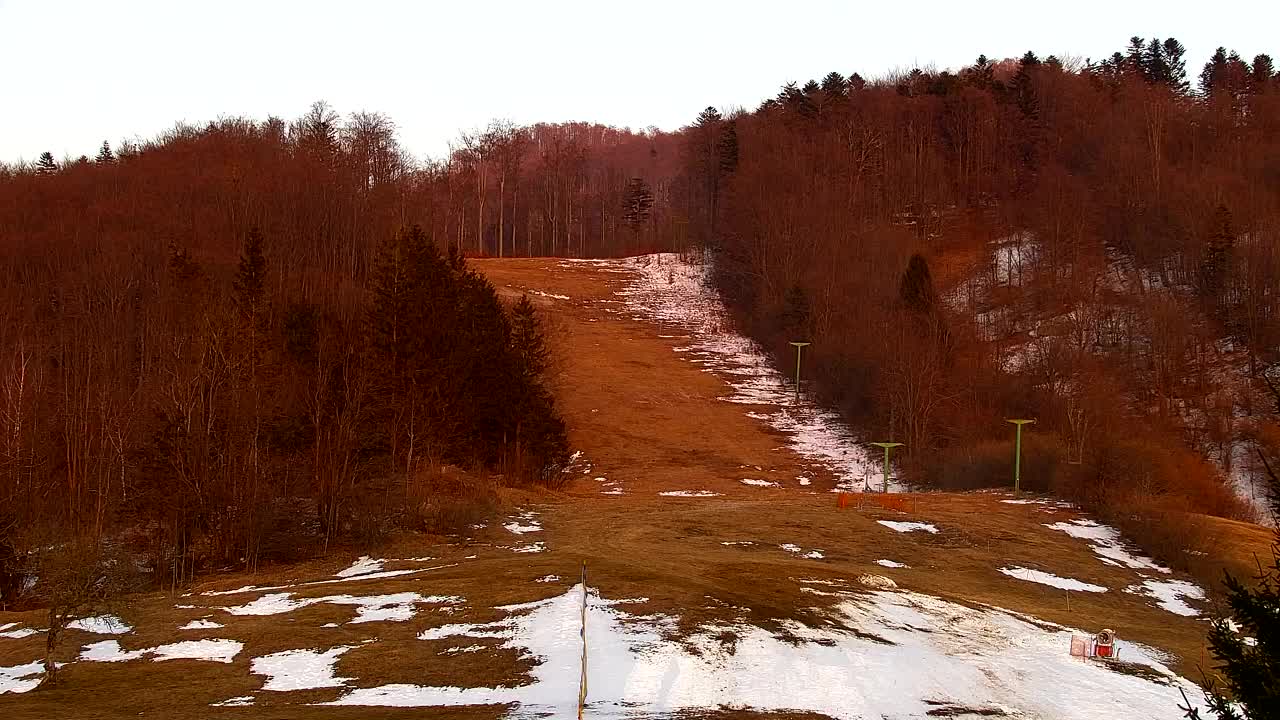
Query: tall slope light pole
x=1017, y=454
x=799, y=347
x=887, y=447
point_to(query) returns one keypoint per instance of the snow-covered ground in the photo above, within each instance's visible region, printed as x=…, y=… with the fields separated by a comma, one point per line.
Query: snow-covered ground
x=884, y=653
x=676, y=292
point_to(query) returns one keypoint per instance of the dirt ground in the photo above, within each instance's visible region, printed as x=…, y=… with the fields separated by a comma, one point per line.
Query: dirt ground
x=648, y=420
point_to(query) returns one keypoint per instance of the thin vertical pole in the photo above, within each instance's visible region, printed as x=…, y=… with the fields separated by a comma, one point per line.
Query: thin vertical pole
x=885, y=488
x=799, y=349
x=582, y=686
x=1017, y=462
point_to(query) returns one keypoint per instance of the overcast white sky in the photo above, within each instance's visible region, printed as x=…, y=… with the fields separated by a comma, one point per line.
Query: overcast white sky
x=75, y=73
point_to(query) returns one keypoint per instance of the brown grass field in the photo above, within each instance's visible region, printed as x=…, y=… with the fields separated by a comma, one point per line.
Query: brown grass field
x=647, y=418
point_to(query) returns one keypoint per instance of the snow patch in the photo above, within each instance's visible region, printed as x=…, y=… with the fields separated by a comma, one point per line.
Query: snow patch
x=690, y=493
x=101, y=625
x=1170, y=594
x=891, y=564
x=396, y=607
x=904, y=527
x=18, y=632
x=201, y=625
x=222, y=651
x=21, y=678
x=300, y=669
x=1107, y=544
x=759, y=483
x=363, y=566
x=1050, y=579
x=548, y=579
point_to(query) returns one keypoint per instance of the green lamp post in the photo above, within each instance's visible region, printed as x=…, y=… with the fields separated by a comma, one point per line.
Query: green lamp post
x=1017, y=454
x=799, y=347
x=887, y=447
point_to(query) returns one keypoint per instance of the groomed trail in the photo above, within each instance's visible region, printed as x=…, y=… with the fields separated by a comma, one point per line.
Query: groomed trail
x=723, y=578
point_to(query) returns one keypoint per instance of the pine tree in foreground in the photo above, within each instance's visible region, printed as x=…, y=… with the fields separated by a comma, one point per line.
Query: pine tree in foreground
x=1246, y=645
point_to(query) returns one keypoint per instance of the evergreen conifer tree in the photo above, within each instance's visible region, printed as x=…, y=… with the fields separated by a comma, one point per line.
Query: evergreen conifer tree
x=105, y=156
x=1262, y=71
x=916, y=288
x=729, y=148
x=1156, y=65
x=1175, y=58
x=1213, y=73
x=833, y=85
x=46, y=164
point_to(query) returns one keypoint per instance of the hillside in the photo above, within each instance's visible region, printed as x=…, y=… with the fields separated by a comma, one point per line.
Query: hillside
x=724, y=579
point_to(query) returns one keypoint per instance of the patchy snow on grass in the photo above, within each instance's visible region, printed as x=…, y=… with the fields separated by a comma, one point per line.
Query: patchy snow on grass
x=904, y=527
x=201, y=625
x=366, y=576
x=1107, y=544
x=676, y=292
x=222, y=651
x=690, y=493
x=737, y=542
x=21, y=678
x=101, y=625
x=363, y=566
x=531, y=548
x=238, y=701
x=1044, y=578
x=797, y=550
x=397, y=607
x=300, y=669
x=108, y=651
x=548, y=579
x=523, y=524
x=1170, y=594
x=16, y=632
x=548, y=295
x=467, y=649
x=879, y=654
x=758, y=483
x=891, y=564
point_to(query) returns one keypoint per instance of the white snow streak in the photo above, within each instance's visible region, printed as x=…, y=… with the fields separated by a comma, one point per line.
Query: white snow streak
x=904, y=527
x=1169, y=594
x=1050, y=579
x=1106, y=542
x=676, y=291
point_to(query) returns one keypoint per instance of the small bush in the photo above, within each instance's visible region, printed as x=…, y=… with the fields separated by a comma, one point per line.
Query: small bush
x=449, y=502
x=991, y=464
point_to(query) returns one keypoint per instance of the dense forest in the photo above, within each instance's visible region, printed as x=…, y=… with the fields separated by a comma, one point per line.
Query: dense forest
x=1092, y=245
x=239, y=342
